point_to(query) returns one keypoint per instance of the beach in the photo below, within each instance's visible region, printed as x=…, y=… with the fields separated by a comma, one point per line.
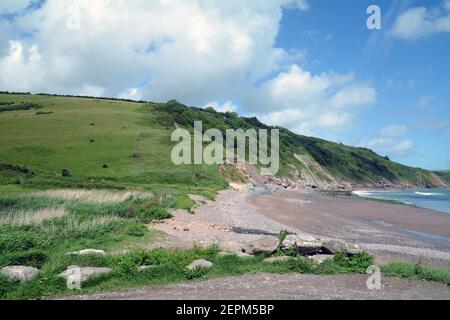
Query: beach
x=388, y=230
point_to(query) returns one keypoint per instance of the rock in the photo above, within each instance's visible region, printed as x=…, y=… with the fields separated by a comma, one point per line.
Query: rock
x=66, y=173
x=336, y=246
x=306, y=244
x=145, y=268
x=201, y=263
x=321, y=258
x=277, y=259
x=238, y=254
x=85, y=273
x=186, y=229
x=87, y=252
x=267, y=245
x=19, y=273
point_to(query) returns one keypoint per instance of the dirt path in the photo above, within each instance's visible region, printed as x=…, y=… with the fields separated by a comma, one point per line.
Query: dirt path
x=261, y=286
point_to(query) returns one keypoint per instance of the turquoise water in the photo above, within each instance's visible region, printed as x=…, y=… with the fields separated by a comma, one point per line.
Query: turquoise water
x=435, y=199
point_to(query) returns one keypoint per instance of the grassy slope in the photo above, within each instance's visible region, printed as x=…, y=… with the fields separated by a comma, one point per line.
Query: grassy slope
x=134, y=141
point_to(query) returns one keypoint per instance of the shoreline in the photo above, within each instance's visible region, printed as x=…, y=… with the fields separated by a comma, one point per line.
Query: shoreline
x=390, y=231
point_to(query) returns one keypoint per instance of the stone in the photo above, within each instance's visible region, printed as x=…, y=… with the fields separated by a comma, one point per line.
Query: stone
x=19, y=273
x=321, y=258
x=88, y=252
x=86, y=273
x=307, y=245
x=237, y=254
x=266, y=245
x=277, y=259
x=200, y=263
x=145, y=268
x=336, y=246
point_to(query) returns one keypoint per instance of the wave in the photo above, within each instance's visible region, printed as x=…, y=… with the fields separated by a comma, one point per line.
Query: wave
x=362, y=193
x=428, y=194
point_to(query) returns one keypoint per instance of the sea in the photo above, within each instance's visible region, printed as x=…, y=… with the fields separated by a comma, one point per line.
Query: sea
x=435, y=199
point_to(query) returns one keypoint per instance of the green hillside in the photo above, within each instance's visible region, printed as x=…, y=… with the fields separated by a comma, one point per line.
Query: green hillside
x=113, y=143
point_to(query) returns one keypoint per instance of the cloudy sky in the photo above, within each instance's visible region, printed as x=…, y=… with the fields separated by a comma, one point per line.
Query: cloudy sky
x=310, y=65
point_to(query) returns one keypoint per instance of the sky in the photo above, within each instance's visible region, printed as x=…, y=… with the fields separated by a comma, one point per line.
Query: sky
x=312, y=66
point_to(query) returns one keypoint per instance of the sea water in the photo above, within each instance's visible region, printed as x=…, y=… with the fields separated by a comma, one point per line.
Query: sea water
x=435, y=199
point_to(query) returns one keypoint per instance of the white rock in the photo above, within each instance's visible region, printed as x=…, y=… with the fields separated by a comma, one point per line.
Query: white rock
x=145, y=268
x=88, y=252
x=19, y=273
x=86, y=273
x=200, y=263
x=321, y=258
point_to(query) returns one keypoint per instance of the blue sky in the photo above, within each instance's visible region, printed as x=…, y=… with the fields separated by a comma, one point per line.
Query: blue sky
x=412, y=77
x=311, y=66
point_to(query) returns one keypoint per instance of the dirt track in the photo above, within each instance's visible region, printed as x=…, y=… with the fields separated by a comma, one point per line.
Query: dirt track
x=261, y=286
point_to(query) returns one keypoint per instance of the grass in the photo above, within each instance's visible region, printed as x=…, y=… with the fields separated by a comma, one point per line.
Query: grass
x=416, y=272
x=168, y=266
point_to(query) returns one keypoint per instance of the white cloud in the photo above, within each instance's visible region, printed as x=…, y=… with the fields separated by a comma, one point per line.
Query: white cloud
x=307, y=103
x=420, y=22
x=390, y=146
x=394, y=131
x=225, y=107
x=353, y=96
x=425, y=101
x=197, y=52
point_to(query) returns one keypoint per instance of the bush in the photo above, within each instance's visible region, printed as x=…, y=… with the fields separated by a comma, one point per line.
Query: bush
x=147, y=211
x=136, y=229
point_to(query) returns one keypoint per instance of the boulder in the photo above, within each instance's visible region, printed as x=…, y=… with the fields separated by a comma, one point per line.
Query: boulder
x=306, y=244
x=277, y=259
x=88, y=252
x=237, y=254
x=19, y=273
x=266, y=245
x=321, y=258
x=200, y=263
x=336, y=246
x=86, y=273
x=66, y=173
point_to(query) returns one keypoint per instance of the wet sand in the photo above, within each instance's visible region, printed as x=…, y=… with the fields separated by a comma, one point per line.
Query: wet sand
x=392, y=231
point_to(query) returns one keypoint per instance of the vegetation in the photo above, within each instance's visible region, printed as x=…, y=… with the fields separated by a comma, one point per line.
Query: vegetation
x=416, y=272
x=165, y=266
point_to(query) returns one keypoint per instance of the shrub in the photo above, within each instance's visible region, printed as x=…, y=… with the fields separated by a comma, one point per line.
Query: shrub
x=136, y=229
x=147, y=211
x=21, y=238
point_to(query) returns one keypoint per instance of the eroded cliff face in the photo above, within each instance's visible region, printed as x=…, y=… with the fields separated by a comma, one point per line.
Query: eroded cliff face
x=314, y=176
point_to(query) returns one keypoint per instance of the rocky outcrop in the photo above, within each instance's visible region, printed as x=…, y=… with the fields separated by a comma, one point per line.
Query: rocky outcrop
x=19, y=273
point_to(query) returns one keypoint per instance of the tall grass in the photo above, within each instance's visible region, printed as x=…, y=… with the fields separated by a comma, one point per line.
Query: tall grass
x=32, y=217
x=94, y=196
